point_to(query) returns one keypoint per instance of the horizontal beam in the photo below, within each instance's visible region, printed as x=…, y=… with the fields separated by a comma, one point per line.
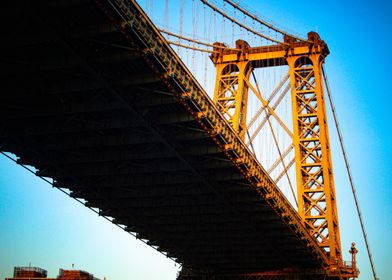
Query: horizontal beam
x=175, y=190
x=263, y=56
x=134, y=168
x=131, y=153
x=90, y=102
x=51, y=61
x=35, y=86
x=99, y=201
x=119, y=119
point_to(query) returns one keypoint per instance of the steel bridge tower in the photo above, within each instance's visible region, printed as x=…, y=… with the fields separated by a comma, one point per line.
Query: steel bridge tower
x=314, y=174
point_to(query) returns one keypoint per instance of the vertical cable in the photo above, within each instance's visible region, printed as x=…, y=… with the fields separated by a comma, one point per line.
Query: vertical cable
x=181, y=20
x=277, y=145
x=223, y=33
x=205, y=36
x=349, y=174
x=166, y=18
x=232, y=29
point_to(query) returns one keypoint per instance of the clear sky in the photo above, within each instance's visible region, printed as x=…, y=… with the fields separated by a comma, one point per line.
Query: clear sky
x=41, y=225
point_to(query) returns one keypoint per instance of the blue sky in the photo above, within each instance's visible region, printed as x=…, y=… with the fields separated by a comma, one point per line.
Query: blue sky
x=41, y=225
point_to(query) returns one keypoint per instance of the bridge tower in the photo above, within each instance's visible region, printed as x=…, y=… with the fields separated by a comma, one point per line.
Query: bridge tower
x=232, y=86
x=314, y=175
x=315, y=183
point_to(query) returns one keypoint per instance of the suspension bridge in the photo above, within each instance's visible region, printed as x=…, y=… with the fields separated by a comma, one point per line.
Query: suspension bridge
x=237, y=186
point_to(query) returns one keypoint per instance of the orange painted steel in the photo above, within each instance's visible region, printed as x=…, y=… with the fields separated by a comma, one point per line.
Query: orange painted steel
x=226, y=125
x=193, y=106
x=213, y=121
x=315, y=183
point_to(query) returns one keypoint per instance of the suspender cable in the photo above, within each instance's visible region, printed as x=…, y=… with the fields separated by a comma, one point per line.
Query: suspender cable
x=349, y=175
x=166, y=19
x=240, y=24
x=181, y=20
x=277, y=146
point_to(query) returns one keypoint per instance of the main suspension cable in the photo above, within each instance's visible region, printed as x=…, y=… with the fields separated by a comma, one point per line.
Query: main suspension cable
x=216, y=9
x=349, y=174
x=190, y=47
x=255, y=18
x=190, y=39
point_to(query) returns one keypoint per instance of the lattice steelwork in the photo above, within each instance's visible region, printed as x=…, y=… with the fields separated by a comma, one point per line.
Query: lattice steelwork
x=133, y=134
x=315, y=187
x=315, y=184
x=231, y=91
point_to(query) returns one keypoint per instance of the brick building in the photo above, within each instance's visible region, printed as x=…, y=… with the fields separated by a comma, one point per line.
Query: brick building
x=36, y=273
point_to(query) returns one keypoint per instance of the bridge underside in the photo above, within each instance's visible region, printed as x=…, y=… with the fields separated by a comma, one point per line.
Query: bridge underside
x=92, y=108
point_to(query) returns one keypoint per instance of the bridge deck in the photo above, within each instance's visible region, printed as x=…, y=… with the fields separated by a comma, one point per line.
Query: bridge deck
x=108, y=110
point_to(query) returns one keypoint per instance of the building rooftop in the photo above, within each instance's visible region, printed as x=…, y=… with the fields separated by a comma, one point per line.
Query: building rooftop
x=37, y=273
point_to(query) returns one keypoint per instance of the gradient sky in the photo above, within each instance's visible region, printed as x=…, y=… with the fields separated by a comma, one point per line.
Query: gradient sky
x=41, y=225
